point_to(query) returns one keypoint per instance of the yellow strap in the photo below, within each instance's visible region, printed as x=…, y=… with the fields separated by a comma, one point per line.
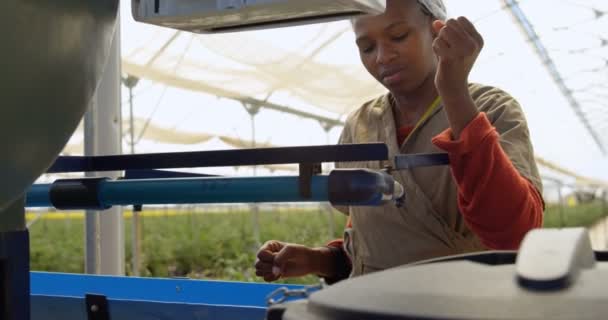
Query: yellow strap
x=428, y=113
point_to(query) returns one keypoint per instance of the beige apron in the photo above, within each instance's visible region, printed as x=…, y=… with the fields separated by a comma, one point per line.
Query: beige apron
x=430, y=224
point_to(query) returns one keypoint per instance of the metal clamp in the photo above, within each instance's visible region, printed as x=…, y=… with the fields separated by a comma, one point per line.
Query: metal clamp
x=281, y=294
x=398, y=189
x=307, y=170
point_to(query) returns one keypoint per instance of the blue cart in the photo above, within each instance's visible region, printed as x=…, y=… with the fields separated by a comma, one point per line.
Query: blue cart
x=78, y=297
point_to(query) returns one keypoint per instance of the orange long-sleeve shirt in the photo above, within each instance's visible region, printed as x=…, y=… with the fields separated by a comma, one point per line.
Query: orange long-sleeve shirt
x=498, y=204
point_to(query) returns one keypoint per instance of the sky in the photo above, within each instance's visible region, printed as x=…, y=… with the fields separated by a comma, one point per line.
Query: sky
x=507, y=61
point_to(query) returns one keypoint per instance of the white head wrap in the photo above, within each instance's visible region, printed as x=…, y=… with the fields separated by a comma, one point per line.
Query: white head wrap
x=435, y=7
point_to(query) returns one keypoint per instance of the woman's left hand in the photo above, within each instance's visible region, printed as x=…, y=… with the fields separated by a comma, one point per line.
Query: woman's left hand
x=457, y=47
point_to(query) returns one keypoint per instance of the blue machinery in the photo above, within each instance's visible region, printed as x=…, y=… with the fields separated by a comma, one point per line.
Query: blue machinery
x=340, y=187
x=143, y=184
x=96, y=297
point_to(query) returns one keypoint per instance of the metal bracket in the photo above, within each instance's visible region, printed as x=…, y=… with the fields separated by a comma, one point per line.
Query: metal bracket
x=307, y=170
x=97, y=307
x=410, y=161
x=283, y=294
x=252, y=109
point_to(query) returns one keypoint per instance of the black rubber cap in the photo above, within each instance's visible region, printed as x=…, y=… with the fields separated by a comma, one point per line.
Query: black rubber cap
x=74, y=194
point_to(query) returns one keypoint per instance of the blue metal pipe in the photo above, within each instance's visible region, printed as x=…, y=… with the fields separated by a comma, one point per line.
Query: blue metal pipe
x=210, y=190
x=193, y=190
x=39, y=196
x=341, y=187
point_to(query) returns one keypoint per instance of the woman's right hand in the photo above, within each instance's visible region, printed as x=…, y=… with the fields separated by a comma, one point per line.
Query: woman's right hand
x=277, y=259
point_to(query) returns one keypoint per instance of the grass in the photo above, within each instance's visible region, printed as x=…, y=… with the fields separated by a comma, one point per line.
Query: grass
x=199, y=245
x=215, y=245
x=583, y=215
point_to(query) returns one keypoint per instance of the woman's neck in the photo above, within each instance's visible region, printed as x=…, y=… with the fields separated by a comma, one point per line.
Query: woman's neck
x=410, y=106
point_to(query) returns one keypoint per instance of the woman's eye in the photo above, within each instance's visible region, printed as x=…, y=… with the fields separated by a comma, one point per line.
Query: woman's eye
x=367, y=49
x=400, y=37
x=365, y=46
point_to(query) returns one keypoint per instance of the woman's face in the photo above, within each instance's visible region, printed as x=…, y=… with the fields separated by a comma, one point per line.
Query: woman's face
x=396, y=46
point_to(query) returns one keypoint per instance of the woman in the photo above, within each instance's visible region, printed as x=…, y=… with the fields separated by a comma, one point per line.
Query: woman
x=490, y=195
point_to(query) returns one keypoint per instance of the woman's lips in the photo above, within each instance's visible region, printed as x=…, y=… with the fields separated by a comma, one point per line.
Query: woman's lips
x=392, y=77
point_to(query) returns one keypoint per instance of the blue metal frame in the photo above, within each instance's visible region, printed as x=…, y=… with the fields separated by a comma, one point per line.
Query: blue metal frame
x=158, y=174
x=62, y=296
x=224, y=158
x=143, y=166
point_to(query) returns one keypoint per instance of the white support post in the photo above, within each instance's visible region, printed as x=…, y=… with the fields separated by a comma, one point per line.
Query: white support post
x=255, y=209
x=330, y=211
x=104, y=231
